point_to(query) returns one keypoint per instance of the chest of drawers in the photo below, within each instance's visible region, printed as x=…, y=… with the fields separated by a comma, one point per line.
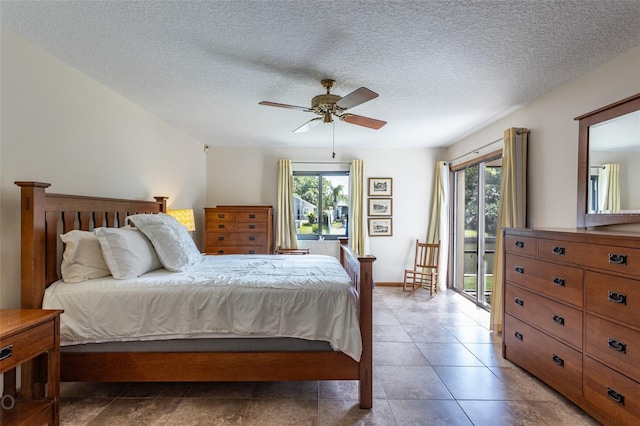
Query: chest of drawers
x=239, y=230
x=572, y=316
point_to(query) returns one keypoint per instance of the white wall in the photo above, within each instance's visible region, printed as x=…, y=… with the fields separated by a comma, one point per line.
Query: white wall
x=248, y=175
x=553, y=140
x=61, y=127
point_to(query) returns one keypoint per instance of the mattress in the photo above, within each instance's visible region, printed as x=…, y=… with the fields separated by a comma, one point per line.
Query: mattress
x=306, y=297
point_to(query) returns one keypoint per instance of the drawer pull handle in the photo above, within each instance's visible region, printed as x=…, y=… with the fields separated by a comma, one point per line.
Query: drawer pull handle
x=6, y=352
x=221, y=216
x=617, y=397
x=252, y=238
x=252, y=227
x=618, y=259
x=520, y=244
x=220, y=226
x=220, y=251
x=558, y=281
x=558, y=319
x=617, y=298
x=252, y=252
x=252, y=216
x=519, y=336
x=617, y=346
x=220, y=238
x=520, y=269
x=558, y=250
x=558, y=360
x=519, y=301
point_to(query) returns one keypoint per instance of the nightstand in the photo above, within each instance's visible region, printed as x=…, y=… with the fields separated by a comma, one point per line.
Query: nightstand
x=30, y=338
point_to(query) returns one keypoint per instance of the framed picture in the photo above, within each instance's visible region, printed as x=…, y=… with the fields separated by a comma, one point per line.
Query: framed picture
x=380, y=207
x=380, y=227
x=380, y=186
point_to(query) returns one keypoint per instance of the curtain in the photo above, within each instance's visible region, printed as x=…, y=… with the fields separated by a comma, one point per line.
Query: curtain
x=285, y=222
x=357, y=219
x=512, y=210
x=439, y=222
x=609, y=188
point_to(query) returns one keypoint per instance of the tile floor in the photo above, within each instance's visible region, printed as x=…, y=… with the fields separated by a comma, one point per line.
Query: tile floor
x=435, y=363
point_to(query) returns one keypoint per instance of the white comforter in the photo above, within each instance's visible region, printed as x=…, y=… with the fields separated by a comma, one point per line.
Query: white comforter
x=308, y=297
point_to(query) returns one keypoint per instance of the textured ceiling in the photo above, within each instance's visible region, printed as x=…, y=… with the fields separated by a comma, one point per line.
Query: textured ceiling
x=443, y=69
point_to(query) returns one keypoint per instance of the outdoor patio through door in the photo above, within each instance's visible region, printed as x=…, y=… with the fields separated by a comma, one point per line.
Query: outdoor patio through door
x=476, y=205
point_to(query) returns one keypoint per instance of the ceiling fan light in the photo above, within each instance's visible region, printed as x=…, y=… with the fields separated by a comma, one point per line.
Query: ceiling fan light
x=327, y=118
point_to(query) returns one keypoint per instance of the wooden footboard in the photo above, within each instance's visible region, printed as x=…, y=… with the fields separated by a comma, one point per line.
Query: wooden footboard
x=45, y=216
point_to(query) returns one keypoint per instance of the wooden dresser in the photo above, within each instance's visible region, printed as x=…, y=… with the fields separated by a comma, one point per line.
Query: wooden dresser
x=239, y=230
x=572, y=316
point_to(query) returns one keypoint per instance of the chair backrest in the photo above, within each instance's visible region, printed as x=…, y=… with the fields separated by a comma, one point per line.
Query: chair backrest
x=426, y=255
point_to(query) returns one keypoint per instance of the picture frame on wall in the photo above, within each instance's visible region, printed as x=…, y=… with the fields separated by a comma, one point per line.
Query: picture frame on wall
x=380, y=207
x=380, y=187
x=380, y=227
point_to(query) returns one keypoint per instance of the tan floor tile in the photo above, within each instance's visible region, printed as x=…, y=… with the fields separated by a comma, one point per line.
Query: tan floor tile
x=302, y=390
x=137, y=412
x=428, y=413
x=474, y=383
x=341, y=412
x=80, y=411
x=448, y=354
x=397, y=353
x=512, y=413
x=282, y=412
x=562, y=412
x=411, y=382
x=223, y=390
x=205, y=411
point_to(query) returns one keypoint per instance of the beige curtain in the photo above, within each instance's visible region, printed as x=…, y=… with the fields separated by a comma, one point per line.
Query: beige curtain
x=439, y=222
x=609, y=188
x=512, y=210
x=357, y=218
x=285, y=222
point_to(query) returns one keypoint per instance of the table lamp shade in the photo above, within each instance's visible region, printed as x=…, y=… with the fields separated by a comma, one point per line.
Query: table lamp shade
x=185, y=217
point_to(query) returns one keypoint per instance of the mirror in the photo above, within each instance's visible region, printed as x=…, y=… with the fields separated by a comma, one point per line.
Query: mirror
x=609, y=165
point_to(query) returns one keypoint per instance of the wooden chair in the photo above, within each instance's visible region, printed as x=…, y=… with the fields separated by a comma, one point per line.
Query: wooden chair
x=425, y=268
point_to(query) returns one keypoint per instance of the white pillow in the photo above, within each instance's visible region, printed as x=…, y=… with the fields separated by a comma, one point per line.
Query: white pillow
x=82, y=258
x=127, y=252
x=174, y=246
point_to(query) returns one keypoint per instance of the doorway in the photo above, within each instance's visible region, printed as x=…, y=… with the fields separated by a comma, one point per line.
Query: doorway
x=476, y=197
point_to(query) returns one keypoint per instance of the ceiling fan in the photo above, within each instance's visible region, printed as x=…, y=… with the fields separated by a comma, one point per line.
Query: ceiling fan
x=329, y=105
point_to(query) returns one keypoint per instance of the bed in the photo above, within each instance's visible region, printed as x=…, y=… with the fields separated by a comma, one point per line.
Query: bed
x=45, y=216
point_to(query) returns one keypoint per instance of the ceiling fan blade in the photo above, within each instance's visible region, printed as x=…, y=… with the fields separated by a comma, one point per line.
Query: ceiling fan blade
x=275, y=104
x=356, y=98
x=371, y=123
x=309, y=124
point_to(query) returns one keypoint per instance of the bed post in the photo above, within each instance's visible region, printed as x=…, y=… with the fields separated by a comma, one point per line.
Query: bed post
x=364, y=284
x=32, y=247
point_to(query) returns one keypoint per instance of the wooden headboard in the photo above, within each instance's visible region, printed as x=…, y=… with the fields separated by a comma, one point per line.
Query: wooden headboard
x=43, y=217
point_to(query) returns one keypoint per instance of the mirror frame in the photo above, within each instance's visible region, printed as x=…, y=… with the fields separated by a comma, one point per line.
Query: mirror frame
x=586, y=219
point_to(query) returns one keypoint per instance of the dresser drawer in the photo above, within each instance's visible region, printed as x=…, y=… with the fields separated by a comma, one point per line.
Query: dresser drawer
x=615, y=297
x=221, y=216
x=613, y=344
x=26, y=345
x=520, y=245
x=614, y=394
x=557, y=319
x=555, y=363
x=238, y=238
x=557, y=281
x=252, y=216
x=251, y=226
x=611, y=258
x=236, y=250
x=221, y=226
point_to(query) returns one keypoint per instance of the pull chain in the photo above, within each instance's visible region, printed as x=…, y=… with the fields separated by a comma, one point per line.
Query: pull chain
x=333, y=154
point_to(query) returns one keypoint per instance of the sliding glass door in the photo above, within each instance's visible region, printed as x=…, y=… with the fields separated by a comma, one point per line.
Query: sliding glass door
x=476, y=198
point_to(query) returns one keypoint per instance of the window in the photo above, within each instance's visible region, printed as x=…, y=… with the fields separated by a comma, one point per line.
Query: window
x=320, y=204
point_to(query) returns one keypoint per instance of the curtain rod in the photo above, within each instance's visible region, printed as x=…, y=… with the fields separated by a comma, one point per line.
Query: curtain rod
x=477, y=150
x=320, y=162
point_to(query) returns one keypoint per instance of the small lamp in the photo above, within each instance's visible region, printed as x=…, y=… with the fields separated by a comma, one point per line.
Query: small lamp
x=185, y=217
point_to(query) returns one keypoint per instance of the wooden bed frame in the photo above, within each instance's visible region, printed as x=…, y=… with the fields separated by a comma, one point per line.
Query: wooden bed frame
x=45, y=216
